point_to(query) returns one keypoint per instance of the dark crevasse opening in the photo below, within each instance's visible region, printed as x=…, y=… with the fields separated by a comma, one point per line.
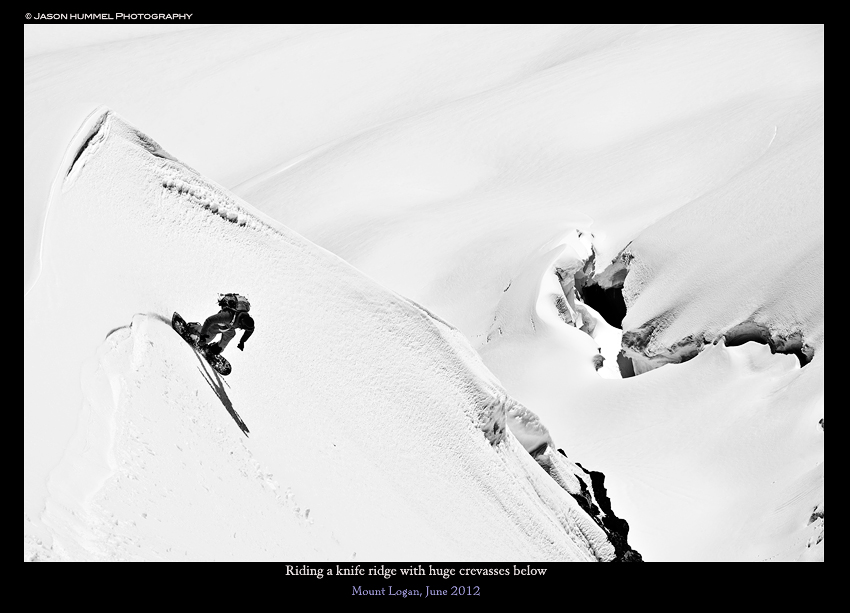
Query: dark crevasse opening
x=607, y=302
x=610, y=304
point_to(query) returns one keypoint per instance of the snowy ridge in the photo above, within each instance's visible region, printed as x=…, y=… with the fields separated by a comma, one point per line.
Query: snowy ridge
x=97, y=128
x=527, y=204
x=342, y=387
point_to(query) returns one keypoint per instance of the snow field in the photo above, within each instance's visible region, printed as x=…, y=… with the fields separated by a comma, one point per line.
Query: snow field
x=448, y=164
x=409, y=432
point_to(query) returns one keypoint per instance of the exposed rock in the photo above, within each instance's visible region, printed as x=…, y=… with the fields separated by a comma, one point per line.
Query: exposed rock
x=617, y=529
x=588, y=490
x=598, y=360
x=642, y=347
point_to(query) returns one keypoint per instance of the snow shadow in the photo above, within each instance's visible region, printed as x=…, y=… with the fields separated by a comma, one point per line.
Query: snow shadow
x=162, y=318
x=750, y=331
x=212, y=378
x=114, y=330
x=217, y=384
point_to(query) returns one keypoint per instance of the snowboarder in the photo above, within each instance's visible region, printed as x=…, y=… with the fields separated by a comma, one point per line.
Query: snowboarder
x=232, y=316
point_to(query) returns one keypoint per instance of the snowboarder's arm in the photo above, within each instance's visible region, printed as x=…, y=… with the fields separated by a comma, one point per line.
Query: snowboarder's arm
x=246, y=322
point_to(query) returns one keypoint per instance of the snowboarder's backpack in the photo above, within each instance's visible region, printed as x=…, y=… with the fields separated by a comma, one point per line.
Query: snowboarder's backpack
x=234, y=302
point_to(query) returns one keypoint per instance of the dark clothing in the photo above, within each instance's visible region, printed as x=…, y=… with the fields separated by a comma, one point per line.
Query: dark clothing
x=225, y=322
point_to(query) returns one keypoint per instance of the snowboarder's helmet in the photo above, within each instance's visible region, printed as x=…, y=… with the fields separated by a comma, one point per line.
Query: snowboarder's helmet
x=236, y=302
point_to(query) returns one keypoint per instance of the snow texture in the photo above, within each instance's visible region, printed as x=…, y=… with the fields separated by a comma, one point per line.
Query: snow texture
x=414, y=212
x=374, y=426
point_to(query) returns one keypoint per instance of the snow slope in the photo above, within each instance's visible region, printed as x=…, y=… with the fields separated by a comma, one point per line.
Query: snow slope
x=354, y=424
x=746, y=259
x=238, y=100
x=718, y=458
x=694, y=154
x=444, y=206
x=467, y=168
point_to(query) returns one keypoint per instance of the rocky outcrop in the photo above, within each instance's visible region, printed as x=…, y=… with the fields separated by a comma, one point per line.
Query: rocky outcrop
x=588, y=489
x=642, y=347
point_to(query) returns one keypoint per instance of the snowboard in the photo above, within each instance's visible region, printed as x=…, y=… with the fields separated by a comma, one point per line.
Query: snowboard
x=189, y=333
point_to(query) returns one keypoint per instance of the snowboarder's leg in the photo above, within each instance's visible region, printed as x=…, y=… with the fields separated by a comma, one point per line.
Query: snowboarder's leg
x=226, y=337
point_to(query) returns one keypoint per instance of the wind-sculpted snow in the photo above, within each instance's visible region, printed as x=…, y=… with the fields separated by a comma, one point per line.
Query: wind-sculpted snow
x=237, y=99
x=745, y=261
x=720, y=460
x=645, y=351
x=315, y=447
x=491, y=174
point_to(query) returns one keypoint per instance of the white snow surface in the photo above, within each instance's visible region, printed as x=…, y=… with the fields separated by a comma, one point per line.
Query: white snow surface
x=375, y=427
x=457, y=167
